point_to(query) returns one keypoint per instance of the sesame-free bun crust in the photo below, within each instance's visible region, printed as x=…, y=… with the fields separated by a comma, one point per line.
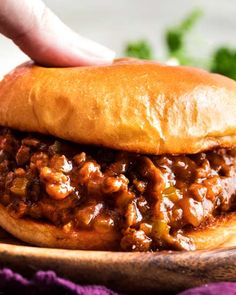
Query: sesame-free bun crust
x=220, y=234
x=130, y=105
x=48, y=235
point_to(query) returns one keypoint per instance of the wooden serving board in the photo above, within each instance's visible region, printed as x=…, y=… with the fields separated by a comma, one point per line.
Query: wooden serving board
x=138, y=273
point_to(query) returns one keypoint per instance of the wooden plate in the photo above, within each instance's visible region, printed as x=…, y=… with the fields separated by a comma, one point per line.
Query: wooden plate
x=138, y=272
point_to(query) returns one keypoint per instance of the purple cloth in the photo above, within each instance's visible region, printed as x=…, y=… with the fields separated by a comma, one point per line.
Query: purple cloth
x=45, y=283
x=48, y=283
x=212, y=289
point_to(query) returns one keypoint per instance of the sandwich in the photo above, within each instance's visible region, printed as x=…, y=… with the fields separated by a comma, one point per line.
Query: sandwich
x=133, y=156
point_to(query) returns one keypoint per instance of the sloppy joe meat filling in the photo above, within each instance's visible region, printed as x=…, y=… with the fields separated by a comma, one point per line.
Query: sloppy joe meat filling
x=151, y=201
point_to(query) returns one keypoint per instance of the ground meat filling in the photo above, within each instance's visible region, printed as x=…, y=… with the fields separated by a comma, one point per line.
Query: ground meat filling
x=151, y=201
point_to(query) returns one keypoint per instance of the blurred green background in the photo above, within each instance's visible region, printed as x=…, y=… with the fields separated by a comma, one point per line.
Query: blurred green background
x=177, y=43
x=144, y=24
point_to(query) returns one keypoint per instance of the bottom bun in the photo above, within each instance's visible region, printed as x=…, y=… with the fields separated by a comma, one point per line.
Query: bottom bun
x=47, y=235
x=221, y=233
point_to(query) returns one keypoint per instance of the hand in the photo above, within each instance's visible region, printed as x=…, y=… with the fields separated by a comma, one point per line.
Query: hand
x=45, y=39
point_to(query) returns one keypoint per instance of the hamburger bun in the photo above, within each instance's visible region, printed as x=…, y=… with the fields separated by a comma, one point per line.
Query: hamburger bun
x=220, y=234
x=134, y=106
x=47, y=235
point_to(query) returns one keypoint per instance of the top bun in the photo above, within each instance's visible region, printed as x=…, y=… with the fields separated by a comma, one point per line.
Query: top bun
x=131, y=105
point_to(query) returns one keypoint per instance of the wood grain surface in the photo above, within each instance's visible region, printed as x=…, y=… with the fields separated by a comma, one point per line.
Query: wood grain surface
x=138, y=273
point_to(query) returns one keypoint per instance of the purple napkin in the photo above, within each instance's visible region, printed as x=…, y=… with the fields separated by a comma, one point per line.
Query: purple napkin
x=48, y=283
x=45, y=283
x=212, y=289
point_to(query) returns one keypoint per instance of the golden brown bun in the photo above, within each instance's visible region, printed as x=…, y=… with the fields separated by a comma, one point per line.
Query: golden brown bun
x=220, y=234
x=131, y=105
x=47, y=235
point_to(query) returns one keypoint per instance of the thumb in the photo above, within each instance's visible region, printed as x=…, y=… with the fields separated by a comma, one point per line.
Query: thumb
x=45, y=38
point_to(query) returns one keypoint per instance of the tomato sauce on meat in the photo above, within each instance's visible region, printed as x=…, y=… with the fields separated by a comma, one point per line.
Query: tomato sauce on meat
x=151, y=201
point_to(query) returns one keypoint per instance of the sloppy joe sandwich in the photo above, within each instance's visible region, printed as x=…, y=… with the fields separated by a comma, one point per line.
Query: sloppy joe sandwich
x=134, y=156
